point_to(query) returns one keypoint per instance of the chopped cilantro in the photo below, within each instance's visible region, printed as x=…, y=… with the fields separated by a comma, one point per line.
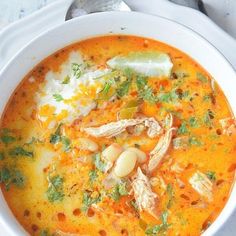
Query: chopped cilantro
x=55, y=188
x=7, y=139
x=118, y=191
x=201, y=77
x=185, y=94
x=92, y=176
x=57, y=97
x=11, y=176
x=107, y=86
x=206, y=98
x=145, y=92
x=211, y=175
x=128, y=73
x=162, y=228
x=88, y=200
x=100, y=165
x=56, y=137
x=193, y=122
x=183, y=129
x=2, y=156
x=18, y=179
x=44, y=232
x=141, y=82
x=66, y=80
x=76, y=68
x=207, y=118
x=66, y=143
x=147, y=95
x=168, y=97
x=123, y=88
x=194, y=141
x=20, y=151
x=170, y=193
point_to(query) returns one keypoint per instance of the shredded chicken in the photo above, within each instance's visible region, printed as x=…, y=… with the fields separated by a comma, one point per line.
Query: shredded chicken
x=168, y=121
x=145, y=198
x=114, y=128
x=154, y=129
x=202, y=185
x=177, y=168
x=228, y=125
x=160, y=150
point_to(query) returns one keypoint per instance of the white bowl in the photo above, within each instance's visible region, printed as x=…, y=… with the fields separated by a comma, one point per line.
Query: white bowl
x=130, y=23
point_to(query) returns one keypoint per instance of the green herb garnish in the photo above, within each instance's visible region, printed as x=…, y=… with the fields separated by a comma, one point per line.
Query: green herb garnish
x=193, y=122
x=57, y=97
x=11, y=176
x=2, y=156
x=92, y=176
x=208, y=117
x=56, y=137
x=194, y=141
x=141, y=82
x=105, y=92
x=55, y=188
x=211, y=175
x=7, y=139
x=118, y=191
x=44, y=232
x=20, y=151
x=123, y=88
x=162, y=228
x=170, y=193
x=183, y=128
x=88, y=200
x=100, y=165
x=66, y=143
x=168, y=97
x=201, y=77
x=148, y=95
x=76, y=68
x=66, y=80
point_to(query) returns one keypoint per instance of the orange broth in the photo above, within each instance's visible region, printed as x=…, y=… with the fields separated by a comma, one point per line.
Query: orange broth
x=31, y=160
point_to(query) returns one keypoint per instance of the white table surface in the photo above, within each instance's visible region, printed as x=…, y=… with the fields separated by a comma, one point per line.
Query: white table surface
x=223, y=12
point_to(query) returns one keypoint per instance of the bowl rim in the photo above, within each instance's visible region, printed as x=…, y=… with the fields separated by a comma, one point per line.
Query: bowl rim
x=227, y=210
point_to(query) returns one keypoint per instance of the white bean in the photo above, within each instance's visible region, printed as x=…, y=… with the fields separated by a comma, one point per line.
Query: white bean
x=87, y=144
x=125, y=163
x=142, y=157
x=112, y=152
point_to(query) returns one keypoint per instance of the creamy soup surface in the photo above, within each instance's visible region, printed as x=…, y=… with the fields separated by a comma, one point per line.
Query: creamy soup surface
x=117, y=135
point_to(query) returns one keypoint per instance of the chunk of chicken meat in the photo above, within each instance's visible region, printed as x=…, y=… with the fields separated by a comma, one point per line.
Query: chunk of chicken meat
x=114, y=128
x=145, y=198
x=202, y=185
x=228, y=125
x=160, y=150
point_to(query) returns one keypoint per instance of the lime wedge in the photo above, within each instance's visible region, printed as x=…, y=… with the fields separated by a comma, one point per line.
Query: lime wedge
x=154, y=64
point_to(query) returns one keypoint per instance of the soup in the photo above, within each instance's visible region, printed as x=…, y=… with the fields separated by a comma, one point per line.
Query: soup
x=117, y=135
